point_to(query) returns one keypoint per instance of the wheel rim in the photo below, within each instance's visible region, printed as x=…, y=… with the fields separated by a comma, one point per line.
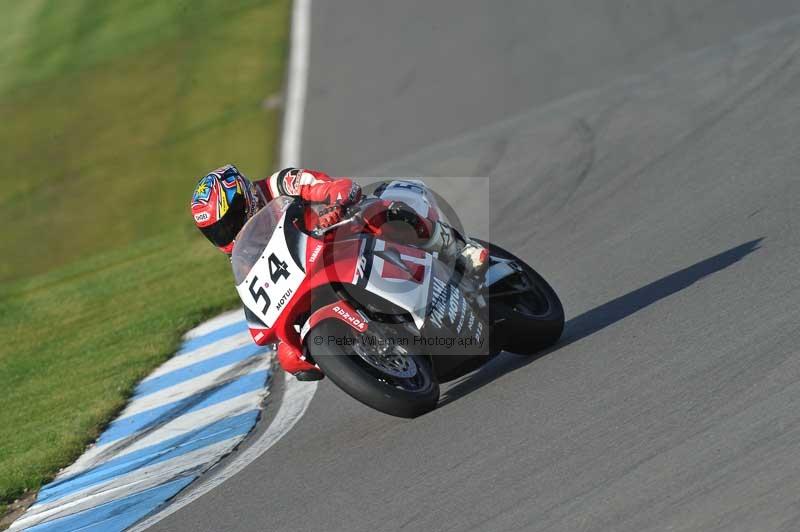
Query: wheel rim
x=532, y=303
x=387, y=361
x=529, y=299
x=391, y=360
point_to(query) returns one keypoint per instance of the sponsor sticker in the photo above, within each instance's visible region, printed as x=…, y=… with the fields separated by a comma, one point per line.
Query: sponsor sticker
x=315, y=253
x=355, y=320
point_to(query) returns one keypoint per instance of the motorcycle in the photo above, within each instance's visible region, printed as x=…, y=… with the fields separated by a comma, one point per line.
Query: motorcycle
x=387, y=322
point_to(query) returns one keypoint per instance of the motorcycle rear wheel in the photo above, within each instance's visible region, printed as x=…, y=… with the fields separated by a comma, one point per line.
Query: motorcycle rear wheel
x=532, y=320
x=401, y=385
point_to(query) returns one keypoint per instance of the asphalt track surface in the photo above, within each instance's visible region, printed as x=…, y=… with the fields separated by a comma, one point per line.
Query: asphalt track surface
x=645, y=159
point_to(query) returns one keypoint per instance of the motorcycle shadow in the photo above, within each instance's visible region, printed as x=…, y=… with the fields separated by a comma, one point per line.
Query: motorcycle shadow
x=600, y=317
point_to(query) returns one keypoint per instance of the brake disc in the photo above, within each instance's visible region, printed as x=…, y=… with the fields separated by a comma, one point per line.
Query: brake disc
x=386, y=358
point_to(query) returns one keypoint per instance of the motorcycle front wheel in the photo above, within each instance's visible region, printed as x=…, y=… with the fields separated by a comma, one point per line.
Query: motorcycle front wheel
x=375, y=369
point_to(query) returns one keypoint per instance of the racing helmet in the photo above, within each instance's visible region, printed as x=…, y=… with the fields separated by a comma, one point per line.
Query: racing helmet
x=222, y=203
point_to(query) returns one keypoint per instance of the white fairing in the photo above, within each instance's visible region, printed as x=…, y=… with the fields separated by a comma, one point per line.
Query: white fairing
x=273, y=280
x=406, y=294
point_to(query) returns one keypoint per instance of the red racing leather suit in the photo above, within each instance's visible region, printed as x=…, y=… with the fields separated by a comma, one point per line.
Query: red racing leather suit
x=309, y=185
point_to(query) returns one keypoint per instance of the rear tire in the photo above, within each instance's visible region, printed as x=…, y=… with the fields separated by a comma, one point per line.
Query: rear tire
x=531, y=326
x=365, y=383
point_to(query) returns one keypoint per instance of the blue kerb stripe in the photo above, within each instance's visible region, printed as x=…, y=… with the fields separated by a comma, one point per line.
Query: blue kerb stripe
x=122, y=428
x=119, y=514
x=213, y=336
x=197, y=369
x=210, y=434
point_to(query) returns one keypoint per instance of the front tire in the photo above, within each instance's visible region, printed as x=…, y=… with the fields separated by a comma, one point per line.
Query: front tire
x=403, y=397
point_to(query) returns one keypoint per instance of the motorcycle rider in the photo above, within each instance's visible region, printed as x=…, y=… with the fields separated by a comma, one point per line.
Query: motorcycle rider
x=225, y=199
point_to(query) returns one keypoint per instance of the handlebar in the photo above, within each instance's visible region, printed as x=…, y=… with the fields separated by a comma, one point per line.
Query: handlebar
x=354, y=213
x=350, y=214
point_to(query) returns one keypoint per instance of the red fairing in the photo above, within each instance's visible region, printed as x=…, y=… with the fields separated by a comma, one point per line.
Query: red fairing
x=291, y=359
x=340, y=310
x=321, y=270
x=413, y=259
x=313, y=253
x=262, y=336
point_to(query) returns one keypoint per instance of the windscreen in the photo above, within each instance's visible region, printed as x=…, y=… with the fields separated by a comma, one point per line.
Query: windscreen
x=254, y=236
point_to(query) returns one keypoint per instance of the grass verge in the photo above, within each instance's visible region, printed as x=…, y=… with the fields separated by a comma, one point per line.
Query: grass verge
x=111, y=111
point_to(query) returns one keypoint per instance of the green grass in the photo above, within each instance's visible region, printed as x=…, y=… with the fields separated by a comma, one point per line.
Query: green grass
x=110, y=112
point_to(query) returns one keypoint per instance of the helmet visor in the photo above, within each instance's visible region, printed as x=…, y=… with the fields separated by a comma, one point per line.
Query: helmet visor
x=225, y=230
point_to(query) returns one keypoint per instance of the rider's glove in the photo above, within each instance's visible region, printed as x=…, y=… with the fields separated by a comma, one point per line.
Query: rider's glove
x=353, y=195
x=329, y=216
x=342, y=192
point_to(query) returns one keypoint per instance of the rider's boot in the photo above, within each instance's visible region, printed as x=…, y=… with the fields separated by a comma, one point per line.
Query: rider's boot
x=293, y=361
x=475, y=258
x=471, y=256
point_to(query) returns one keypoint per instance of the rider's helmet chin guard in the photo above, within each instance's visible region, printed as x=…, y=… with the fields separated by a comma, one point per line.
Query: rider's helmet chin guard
x=222, y=203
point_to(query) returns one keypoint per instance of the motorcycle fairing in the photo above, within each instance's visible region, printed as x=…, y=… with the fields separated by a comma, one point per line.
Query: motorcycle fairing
x=340, y=310
x=274, y=278
x=400, y=274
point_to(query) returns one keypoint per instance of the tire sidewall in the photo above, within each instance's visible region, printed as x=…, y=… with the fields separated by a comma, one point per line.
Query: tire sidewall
x=526, y=334
x=342, y=367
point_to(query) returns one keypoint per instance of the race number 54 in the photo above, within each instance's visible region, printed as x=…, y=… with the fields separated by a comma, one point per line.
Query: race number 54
x=277, y=269
x=260, y=293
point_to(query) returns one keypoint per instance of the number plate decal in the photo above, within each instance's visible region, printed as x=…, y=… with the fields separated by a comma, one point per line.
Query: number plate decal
x=273, y=280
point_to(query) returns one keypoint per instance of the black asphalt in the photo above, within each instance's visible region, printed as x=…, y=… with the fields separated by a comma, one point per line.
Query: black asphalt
x=645, y=158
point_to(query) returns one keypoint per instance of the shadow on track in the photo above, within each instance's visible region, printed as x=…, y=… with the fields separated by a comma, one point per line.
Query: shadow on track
x=602, y=316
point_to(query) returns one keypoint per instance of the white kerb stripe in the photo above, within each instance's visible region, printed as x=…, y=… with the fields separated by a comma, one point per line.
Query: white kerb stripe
x=296, y=399
x=191, y=387
x=122, y=486
x=178, y=426
x=223, y=320
x=202, y=353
